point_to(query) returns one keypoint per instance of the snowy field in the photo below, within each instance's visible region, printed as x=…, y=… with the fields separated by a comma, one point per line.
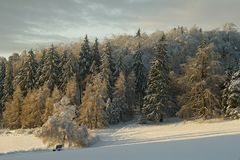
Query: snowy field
x=211, y=140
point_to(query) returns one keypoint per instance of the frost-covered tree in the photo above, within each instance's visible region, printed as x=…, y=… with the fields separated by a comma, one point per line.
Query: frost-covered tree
x=67, y=70
x=118, y=109
x=140, y=74
x=108, y=69
x=92, y=110
x=232, y=106
x=12, y=113
x=2, y=78
x=39, y=69
x=8, y=82
x=120, y=66
x=96, y=54
x=62, y=128
x=85, y=61
x=201, y=82
x=156, y=101
x=26, y=77
x=50, y=70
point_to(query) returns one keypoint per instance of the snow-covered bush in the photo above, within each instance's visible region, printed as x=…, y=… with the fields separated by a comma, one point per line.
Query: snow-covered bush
x=62, y=128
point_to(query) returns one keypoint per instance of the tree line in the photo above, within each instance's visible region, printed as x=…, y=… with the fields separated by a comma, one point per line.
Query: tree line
x=185, y=72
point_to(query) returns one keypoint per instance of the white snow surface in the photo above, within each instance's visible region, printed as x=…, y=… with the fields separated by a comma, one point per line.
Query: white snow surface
x=193, y=140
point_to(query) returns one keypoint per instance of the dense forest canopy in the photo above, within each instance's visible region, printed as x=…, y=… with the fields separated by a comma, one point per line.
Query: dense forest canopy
x=184, y=72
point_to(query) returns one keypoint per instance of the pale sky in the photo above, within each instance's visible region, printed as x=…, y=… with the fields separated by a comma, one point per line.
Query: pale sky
x=26, y=24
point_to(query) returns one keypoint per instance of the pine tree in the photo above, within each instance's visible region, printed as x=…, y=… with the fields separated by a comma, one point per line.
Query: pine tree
x=67, y=70
x=26, y=77
x=96, y=54
x=33, y=108
x=140, y=81
x=157, y=97
x=201, y=99
x=108, y=70
x=8, y=82
x=92, y=110
x=118, y=109
x=138, y=34
x=85, y=61
x=2, y=78
x=50, y=70
x=232, y=105
x=120, y=66
x=39, y=69
x=12, y=113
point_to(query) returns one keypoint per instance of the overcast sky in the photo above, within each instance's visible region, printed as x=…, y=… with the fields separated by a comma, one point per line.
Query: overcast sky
x=35, y=23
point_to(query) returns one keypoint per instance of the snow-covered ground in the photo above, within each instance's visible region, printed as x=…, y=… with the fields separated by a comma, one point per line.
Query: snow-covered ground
x=215, y=139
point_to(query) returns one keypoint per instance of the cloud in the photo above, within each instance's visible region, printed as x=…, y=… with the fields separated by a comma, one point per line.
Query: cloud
x=27, y=23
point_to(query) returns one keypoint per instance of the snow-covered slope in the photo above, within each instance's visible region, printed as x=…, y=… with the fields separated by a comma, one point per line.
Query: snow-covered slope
x=132, y=140
x=213, y=148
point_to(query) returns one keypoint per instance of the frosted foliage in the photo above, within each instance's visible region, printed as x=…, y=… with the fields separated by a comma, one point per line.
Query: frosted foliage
x=233, y=101
x=61, y=128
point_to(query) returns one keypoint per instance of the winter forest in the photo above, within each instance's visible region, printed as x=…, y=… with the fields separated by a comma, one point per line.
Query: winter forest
x=91, y=84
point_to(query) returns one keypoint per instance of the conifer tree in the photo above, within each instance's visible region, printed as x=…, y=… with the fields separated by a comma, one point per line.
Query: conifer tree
x=201, y=99
x=138, y=34
x=140, y=81
x=33, y=108
x=96, y=54
x=108, y=70
x=157, y=97
x=67, y=70
x=92, y=110
x=8, y=82
x=50, y=70
x=12, y=113
x=2, y=78
x=232, y=95
x=120, y=66
x=39, y=69
x=118, y=108
x=85, y=61
x=26, y=77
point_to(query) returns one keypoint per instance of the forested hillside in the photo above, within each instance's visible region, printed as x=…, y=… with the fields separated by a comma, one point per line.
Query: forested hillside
x=189, y=73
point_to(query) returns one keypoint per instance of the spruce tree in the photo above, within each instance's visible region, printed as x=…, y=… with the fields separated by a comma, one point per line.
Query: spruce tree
x=8, y=82
x=201, y=98
x=96, y=54
x=108, y=70
x=138, y=34
x=140, y=81
x=2, y=78
x=26, y=77
x=157, y=97
x=39, y=69
x=50, y=70
x=12, y=113
x=92, y=110
x=118, y=109
x=85, y=61
x=67, y=70
x=232, y=105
